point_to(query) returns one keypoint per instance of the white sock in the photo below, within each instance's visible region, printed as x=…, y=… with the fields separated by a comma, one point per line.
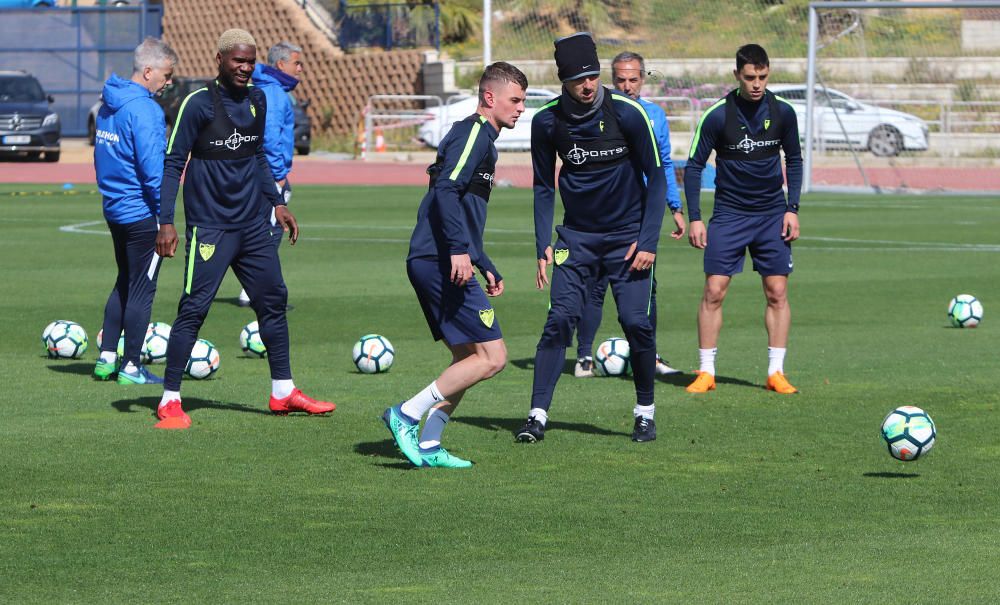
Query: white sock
x=417, y=406
x=539, y=414
x=707, y=357
x=109, y=356
x=430, y=435
x=775, y=360
x=644, y=410
x=169, y=396
x=282, y=388
x=130, y=368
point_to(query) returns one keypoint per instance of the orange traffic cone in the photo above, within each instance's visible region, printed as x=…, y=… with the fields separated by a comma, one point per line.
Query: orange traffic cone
x=379, y=141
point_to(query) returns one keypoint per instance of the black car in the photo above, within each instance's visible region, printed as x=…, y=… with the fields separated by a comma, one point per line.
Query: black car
x=172, y=97
x=27, y=124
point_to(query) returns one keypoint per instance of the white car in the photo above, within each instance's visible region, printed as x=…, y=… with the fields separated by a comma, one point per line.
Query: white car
x=440, y=120
x=884, y=132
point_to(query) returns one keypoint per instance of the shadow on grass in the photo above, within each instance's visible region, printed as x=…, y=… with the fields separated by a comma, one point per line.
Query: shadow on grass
x=385, y=448
x=528, y=363
x=80, y=369
x=885, y=475
x=682, y=379
x=190, y=404
x=235, y=301
x=510, y=425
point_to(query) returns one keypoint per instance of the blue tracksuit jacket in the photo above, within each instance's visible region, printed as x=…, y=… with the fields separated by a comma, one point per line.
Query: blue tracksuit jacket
x=279, y=127
x=128, y=151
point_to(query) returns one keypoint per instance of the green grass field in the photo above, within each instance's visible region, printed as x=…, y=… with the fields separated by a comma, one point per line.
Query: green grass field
x=746, y=497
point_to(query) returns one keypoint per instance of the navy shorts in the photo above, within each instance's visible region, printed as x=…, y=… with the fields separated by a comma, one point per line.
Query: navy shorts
x=730, y=235
x=459, y=315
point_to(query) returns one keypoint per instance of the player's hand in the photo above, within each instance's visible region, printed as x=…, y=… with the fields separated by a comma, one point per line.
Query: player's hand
x=542, y=277
x=461, y=269
x=642, y=260
x=166, y=241
x=493, y=287
x=697, y=234
x=681, y=226
x=287, y=221
x=790, y=227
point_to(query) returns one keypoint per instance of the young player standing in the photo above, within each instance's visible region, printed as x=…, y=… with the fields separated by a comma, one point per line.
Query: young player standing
x=611, y=224
x=746, y=129
x=128, y=158
x=446, y=244
x=228, y=198
x=628, y=72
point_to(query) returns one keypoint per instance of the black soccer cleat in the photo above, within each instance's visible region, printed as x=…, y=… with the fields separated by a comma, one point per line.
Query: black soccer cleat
x=645, y=429
x=531, y=432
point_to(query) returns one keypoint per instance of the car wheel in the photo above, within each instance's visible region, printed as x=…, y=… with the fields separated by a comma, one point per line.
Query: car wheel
x=302, y=150
x=885, y=141
x=91, y=132
x=52, y=156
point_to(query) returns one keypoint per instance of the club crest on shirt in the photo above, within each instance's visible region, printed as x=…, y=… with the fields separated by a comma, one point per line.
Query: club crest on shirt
x=767, y=124
x=206, y=251
x=487, y=316
x=561, y=255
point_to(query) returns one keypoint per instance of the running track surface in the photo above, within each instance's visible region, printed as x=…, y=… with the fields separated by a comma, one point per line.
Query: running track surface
x=309, y=171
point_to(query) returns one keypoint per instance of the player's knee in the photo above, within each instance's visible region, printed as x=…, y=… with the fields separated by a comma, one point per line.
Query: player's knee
x=714, y=295
x=777, y=296
x=496, y=364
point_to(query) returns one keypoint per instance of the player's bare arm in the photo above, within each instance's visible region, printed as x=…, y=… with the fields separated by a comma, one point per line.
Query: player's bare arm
x=542, y=277
x=287, y=221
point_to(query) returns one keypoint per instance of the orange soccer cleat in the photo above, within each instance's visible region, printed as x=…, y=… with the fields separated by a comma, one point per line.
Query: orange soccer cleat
x=704, y=383
x=299, y=402
x=172, y=416
x=779, y=384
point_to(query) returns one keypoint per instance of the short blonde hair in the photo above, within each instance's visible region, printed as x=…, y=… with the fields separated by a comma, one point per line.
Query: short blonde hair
x=232, y=38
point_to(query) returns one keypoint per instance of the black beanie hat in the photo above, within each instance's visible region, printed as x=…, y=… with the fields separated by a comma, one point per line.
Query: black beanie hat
x=576, y=57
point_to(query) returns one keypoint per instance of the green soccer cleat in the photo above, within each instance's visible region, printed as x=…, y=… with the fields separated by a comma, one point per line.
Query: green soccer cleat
x=105, y=370
x=439, y=457
x=404, y=432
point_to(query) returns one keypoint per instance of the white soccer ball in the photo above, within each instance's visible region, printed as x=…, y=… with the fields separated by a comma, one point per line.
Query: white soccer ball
x=612, y=358
x=965, y=311
x=373, y=354
x=250, y=341
x=909, y=432
x=154, y=347
x=204, y=360
x=64, y=339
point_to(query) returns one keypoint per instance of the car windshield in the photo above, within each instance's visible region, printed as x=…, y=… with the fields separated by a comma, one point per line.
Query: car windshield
x=20, y=89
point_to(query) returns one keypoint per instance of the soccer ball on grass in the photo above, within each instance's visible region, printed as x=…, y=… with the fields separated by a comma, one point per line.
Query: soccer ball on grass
x=64, y=339
x=612, y=358
x=373, y=354
x=250, y=341
x=204, y=360
x=965, y=311
x=154, y=347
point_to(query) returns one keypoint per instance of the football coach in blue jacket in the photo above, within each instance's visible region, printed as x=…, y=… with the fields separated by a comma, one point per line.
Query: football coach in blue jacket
x=129, y=149
x=276, y=79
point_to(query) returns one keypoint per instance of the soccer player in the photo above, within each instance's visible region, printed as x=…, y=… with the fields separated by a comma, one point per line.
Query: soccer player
x=128, y=158
x=611, y=224
x=746, y=129
x=446, y=244
x=628, y=72
x=277, y=79
x=229, y=194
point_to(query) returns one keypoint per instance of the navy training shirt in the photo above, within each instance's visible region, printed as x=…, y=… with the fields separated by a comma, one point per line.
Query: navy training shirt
x=603, y=200
x=452, y=215
x=746, y=186
x=219, y=193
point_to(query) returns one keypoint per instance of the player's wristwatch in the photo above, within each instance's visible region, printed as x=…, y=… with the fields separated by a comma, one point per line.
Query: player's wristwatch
x=793, y=208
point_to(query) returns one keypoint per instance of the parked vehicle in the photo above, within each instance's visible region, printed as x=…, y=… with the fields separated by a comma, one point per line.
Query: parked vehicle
x=440, y=120
x=28, y=125
x=172, y=97
x=884, y=132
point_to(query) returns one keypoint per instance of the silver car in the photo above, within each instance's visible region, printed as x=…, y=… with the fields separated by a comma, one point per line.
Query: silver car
x=884, y=132
x=440, y=120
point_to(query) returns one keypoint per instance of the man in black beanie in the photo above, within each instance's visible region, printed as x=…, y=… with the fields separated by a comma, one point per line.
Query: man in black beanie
x=611, y=224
